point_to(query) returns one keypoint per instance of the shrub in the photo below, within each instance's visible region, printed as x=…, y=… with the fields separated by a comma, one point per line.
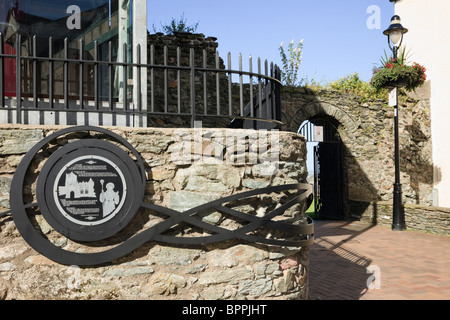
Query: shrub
x=177, y=26
x=291, y=63
x=353, y=84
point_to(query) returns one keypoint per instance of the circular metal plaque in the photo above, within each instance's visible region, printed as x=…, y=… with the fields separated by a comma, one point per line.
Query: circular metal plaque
x=89, y=190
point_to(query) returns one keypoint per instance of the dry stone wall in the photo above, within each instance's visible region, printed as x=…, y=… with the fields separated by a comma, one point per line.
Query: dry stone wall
x=366, y=127
x=428, y=219
x=227, y=270
x=175, y=50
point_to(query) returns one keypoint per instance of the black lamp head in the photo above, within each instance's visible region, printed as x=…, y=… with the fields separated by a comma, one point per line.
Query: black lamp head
x=396, y=24
x=395, y=32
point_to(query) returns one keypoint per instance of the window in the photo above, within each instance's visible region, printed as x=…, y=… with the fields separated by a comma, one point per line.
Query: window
x=80, y=24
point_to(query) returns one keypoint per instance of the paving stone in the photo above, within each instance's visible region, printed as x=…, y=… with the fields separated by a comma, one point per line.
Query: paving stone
x=343, y=252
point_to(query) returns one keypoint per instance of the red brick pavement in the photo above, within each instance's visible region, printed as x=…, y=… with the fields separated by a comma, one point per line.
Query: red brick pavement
x=403, y=265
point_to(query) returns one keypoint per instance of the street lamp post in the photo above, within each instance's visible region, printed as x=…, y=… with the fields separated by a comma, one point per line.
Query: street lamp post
x=395, y=35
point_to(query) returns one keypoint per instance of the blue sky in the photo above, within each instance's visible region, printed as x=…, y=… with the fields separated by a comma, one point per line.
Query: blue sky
x=337, y=40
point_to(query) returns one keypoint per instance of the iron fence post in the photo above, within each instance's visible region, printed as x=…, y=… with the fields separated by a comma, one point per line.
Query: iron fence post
x=18, y=78
x=2, y=73
x=192, y=65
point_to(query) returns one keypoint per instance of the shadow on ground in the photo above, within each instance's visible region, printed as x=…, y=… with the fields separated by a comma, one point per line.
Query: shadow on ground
x=337, y=272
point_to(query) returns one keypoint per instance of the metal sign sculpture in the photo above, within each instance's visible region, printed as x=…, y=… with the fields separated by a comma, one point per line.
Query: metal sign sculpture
x=90, y=189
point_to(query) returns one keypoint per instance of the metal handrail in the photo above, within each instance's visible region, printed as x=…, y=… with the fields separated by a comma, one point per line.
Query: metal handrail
x=266, y=90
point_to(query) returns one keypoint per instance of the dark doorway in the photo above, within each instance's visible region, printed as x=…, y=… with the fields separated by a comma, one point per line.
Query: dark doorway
x=328, y=166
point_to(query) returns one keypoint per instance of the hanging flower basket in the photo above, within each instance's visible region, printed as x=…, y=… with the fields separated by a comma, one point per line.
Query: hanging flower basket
x=394, y=74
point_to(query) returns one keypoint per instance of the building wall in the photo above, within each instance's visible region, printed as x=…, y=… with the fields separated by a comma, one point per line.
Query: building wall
x=429, y=26
x=116, y=22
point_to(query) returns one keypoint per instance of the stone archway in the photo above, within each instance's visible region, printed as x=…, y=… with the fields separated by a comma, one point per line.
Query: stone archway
x=325, y=166
x=366, y=130
x=331, y=200
x=294, y=118
x=344, y=114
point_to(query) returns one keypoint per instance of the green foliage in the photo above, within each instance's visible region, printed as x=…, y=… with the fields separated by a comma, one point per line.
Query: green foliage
x=354, y=85
x=313, y=83
x=177, y=26
x=290, y=63
x=397, y=72
x=402, y=57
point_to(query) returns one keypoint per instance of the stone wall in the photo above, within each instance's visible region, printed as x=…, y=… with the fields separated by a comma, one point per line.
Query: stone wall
x=417, y=217
x=366, y=128
x=228, y=270
x=174, y=50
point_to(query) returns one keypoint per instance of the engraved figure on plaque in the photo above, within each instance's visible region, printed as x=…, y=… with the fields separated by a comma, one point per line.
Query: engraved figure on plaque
x=89, y=190
x=109, y=198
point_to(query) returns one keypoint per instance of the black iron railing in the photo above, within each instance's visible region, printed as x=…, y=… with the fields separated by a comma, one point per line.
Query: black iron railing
x=54, y=87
